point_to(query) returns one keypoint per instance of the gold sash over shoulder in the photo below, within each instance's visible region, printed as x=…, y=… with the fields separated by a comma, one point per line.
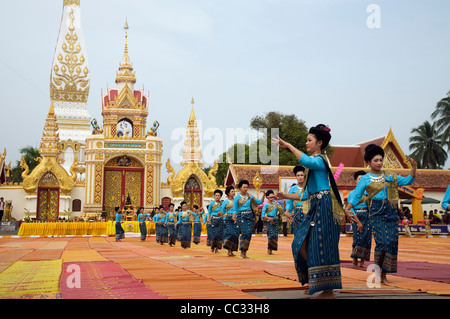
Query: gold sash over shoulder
x=338, y=209
x=272, y=206
x=253, y=203
x=391, y=189
x=215, y=205
x=229, y=205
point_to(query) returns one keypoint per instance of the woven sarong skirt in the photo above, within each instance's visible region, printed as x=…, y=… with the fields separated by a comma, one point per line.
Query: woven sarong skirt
x=246, y=221
x=185, y=230
x=385, y=233
x=320, y=233
x=231, y=234
x=362, y=242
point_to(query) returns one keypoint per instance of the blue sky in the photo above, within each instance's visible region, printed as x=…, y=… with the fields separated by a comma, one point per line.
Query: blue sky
x=314, y=58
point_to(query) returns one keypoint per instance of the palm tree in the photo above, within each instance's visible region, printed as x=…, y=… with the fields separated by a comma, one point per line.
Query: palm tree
x=442, y=113
x=426, y=146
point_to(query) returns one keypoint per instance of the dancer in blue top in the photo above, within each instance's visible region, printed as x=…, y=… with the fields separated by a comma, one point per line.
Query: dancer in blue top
x=162, y=234
x=294, y=208
x=142, y=226
x=315, y=245
x=120, y=233
x=197, y=214
x=245, y=205
x=171, y=223
x=382, y=198
x=270, y=212
x=185, y=226
x=362, y=229
x=446, y=201
x=216, y=221
x=231, y=232
x=208, y=228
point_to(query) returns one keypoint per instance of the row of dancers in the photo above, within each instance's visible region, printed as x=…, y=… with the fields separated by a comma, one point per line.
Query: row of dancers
x=316, y=211
x=224, y=226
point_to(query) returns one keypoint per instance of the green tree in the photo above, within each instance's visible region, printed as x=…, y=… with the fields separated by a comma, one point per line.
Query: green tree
x=238, y=153
x=290, y=128
x=29, y=153
x=441, y=115
x=426, y=146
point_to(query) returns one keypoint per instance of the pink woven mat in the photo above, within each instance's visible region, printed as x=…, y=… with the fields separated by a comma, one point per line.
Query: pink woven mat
x=101, y=280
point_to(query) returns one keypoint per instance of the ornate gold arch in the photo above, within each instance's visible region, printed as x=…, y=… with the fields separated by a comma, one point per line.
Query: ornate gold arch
x=114, y=162
x=390, y=158
x=48, y=164
x=177, y=184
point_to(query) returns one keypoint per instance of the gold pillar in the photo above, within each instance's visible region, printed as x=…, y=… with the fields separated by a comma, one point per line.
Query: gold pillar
x=417, y=210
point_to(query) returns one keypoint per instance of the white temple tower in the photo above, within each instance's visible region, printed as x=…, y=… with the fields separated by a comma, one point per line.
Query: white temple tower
x=69, y=85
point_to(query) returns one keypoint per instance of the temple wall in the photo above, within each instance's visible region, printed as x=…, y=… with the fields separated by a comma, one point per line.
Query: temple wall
x=17, y=195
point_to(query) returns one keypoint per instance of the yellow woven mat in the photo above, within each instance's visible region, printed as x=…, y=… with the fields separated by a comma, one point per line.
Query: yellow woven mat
x=30, y=278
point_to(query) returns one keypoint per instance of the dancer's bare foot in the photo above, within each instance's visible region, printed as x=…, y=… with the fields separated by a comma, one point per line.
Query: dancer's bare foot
x=269, y=251
x=244, y=254
x=230, y=253
x=355, y=261
x=383, y=278
x=326, y=294
x=361, y=264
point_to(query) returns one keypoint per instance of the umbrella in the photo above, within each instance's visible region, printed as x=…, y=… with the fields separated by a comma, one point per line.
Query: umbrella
x=425, y=200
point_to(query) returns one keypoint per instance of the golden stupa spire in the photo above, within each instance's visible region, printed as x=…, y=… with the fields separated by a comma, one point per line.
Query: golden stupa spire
x=125, y=73
x=50, y=136
x=192, y=119
x=192, y=151
x=126, y=59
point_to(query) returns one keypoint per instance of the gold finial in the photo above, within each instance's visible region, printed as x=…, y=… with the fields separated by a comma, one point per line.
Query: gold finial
x=125, y=73
x=126, y=39
x=192, y=119
x=51, y=111
x=257, y=182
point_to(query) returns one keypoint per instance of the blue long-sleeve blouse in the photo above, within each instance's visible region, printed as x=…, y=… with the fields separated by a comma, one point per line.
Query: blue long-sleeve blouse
x=246, y=205
x=272, y=213
x=318, y=173
x=290, y=202
x=216, y=211
x=382, y=194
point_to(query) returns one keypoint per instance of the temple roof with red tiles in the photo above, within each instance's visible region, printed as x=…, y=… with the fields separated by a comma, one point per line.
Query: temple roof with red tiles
x=352, y=157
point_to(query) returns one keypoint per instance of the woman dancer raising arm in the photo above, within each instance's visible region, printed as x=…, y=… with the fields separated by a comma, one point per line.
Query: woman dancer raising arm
x=315, y=245
x=382, y=199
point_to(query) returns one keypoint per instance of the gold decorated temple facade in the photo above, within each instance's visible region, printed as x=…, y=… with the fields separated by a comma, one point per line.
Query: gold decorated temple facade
x=123, y=160
x=191, y=183
x=87, y=167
